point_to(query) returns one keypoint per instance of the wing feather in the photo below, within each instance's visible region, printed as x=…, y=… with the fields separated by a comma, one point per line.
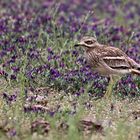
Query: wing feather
x=110, y=60
x=114, y=58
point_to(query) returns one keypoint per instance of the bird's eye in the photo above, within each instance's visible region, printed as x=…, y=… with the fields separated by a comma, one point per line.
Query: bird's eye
x=89, y=42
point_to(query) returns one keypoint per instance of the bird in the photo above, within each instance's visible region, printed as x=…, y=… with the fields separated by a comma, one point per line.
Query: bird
x=108, y=61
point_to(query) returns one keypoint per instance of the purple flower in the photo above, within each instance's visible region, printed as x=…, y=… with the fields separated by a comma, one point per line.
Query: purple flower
x=13, y=77
x=54, y=72
x=74, y=53
x=15, y=69
x=3, y=53
x=49, y=49
x=61, y=64
x=33, y=54
x=9, y=98
x=12, y=132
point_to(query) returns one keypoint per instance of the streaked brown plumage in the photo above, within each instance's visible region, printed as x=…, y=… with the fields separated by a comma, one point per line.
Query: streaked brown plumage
x=107, y=60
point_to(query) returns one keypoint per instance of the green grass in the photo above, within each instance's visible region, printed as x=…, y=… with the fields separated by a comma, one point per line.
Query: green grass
x=118, y=123
x=119, y=116
x=116, y=116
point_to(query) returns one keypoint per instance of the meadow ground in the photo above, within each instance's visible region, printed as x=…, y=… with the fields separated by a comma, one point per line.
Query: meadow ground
x=47, y=91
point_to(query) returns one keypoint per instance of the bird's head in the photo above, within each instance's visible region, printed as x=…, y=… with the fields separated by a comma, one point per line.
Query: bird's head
x=88, y=42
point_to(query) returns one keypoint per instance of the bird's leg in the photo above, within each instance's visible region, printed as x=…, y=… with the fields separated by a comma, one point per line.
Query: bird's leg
x=109, y=88
x=112, y=82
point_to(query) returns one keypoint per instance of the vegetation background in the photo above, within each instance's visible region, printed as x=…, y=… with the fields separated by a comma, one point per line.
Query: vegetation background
x=47, y=91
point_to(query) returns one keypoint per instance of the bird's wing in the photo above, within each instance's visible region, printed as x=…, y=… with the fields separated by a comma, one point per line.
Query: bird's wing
x=111, y=60
x=116, y=62
x=114, y=58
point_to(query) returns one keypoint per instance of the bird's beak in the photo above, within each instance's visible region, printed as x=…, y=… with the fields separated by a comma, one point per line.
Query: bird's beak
x=76, y=45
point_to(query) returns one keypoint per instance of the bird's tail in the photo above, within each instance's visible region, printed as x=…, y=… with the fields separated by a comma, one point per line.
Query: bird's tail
x=135, y=71
x=135, y=66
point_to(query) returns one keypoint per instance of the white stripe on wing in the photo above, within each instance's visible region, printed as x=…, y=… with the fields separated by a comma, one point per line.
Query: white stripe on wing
x=112, y=57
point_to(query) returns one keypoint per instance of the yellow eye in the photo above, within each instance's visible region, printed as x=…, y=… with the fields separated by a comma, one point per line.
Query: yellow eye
x=89, y=42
